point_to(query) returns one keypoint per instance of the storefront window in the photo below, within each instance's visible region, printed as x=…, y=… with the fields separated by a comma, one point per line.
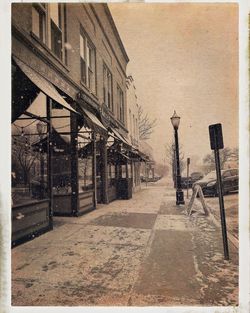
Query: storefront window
x=111, y=174
x=61, y=151
x=124, y=171
x=129, y=170
x=85, y=160
x=29, y=177
x=85, y=178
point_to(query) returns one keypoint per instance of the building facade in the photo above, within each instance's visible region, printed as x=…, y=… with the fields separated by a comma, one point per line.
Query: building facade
x=133, y=129
x=70, y=142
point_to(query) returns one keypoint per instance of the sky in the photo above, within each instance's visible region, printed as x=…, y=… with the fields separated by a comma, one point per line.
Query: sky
x=183, y=57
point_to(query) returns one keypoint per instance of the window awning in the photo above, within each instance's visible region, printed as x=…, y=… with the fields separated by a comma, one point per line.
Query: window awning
x=93, y=122
x=118, y=136
x=118, y=156
x=44, y=85
x=138, y=155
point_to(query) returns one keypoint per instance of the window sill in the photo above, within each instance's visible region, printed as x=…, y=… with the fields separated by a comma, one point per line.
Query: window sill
x=109, y=110
x=38, y=40
x=91, y=92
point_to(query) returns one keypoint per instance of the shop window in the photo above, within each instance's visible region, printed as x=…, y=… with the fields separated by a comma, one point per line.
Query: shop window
x=111, y=174
x=87, y=63
x=124, y=171
x=120, y=104
x=29, y=178
x=107, y=88
x=112, y=171
x=85, y=163
x=38, y=21
x=61, y=177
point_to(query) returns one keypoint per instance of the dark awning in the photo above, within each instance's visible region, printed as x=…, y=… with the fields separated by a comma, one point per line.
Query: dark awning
x=137, y=154
x=120, y=137
x=117, y=156
x=93, y=122
x=44, y=85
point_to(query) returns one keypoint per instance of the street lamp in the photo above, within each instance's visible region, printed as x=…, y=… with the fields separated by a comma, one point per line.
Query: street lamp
x=175, y=120
x=40, y=128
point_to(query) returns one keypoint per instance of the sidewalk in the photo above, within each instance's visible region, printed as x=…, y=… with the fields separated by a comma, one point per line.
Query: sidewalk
x=144, y=251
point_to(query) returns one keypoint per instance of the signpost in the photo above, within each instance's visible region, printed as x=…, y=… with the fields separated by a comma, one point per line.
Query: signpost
x=216, y=143
x=188, y=163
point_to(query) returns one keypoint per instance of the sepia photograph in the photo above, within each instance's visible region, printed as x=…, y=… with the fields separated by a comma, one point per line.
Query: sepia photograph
x=125, y=180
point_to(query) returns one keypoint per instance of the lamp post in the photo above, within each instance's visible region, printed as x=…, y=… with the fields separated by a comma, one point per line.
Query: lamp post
x=175, y=120
x=40, y=128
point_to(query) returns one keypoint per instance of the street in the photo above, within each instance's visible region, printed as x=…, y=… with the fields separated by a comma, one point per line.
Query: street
x=139, y=252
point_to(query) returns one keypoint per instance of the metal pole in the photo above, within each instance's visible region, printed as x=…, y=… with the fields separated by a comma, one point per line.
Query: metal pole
x=49, y=161
x=94, y=168
x=42, y=172
x=179, y=192
x=74, y=181
x=187, y=178
x=221, y=200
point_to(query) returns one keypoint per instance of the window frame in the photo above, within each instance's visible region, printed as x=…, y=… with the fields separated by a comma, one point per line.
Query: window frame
x=42, y=13
x=57, y=28
x=108, y=101
x=120, y=104
x=47, y=40
x=89, y=61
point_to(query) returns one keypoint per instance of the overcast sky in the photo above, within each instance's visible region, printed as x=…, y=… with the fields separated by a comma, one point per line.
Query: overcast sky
x=183, y=57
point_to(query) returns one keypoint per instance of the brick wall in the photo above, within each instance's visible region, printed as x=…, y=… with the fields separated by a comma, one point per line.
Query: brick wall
x=96, y=22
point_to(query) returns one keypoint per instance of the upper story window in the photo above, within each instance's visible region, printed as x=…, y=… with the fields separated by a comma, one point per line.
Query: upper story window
x=56, y=29
x=120, y=104
x=49, y=25
x=130, y=122
x=38, y=21
x=136, y=129
x=107, y=88
x=88, y=60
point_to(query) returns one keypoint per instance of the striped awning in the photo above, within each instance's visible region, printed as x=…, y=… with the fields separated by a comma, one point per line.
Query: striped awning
x=43, y=84
x=120, y=137
x=93, y=122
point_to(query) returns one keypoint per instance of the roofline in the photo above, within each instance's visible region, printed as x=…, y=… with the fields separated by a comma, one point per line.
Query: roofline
x=112, y=22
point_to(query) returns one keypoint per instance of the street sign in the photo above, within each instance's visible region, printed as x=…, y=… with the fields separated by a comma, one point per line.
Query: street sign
x=216, y=142
x=216, y=138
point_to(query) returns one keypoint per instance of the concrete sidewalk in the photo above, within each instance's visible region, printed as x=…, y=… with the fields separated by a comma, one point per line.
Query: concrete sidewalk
x=144, y=251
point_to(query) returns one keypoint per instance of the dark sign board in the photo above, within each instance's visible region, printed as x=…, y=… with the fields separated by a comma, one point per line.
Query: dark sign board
x=188, y=161
x=216, y=137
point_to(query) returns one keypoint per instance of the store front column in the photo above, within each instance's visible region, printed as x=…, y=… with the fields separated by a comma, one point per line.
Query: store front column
x=74, y=165
x=104, y=170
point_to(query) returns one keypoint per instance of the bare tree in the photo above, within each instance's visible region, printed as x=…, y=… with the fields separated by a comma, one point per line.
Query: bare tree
x=171, y=158
x=226, y=155
x=146, y=125
x=24, y=154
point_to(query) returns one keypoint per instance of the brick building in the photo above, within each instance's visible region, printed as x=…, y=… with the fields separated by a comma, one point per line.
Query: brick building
x=69, y=109
x=133, y=128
